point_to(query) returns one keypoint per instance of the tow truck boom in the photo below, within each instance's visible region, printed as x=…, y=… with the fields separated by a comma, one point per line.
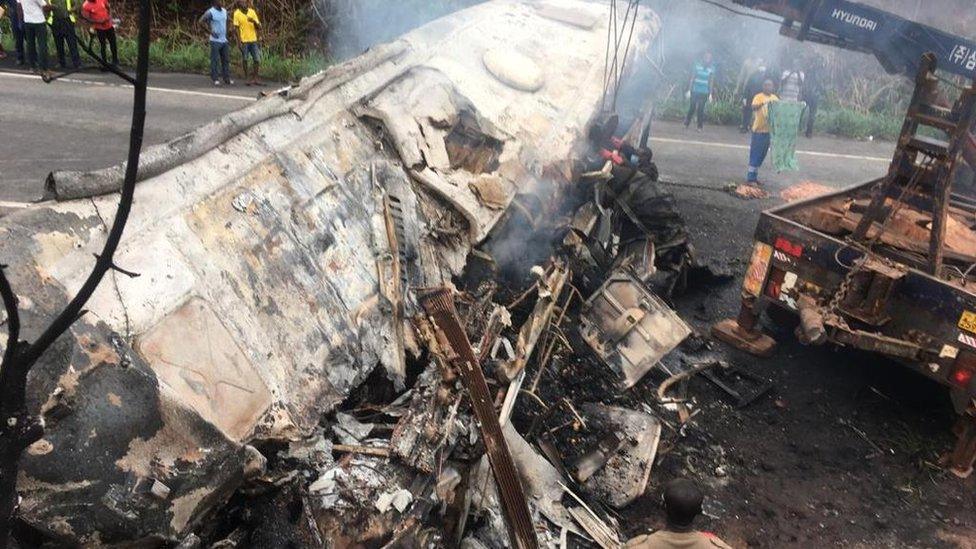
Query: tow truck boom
x=898, y=43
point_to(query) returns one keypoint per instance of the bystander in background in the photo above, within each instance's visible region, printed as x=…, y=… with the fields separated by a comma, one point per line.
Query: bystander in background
x=248, y=23
x=759, y=147
x=32, y=13
x=98, y=13
x=62, y=18
x=3, y=52
x=791, y=82
x=813, y=90
x=16, y=29
x=753, y=86
x=215, y=19
x=700, y=89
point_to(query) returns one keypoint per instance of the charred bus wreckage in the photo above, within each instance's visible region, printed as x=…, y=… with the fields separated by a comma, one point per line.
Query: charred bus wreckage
x=410, y=300
x=309, y=320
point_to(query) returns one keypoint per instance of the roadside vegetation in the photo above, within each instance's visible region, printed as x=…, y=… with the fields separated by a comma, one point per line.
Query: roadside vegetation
x=831, y=118
x=173, y=56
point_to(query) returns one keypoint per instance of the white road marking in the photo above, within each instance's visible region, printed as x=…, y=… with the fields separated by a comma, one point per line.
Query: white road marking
x=150, y=88
x=746, y=147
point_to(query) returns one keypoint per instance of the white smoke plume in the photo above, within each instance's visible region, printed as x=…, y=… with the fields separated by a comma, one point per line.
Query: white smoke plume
x=352, y=26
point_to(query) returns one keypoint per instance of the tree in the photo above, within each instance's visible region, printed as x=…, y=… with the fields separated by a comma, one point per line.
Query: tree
x=19, y=427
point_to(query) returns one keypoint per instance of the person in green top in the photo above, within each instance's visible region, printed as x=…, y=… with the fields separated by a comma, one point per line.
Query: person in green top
x=62, y=18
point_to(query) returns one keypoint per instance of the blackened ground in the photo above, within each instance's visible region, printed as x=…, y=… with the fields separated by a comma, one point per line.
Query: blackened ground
x=842, y=451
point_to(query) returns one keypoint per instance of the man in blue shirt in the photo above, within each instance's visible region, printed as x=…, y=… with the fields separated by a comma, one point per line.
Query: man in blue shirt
x=700, y=89
x=215, y=20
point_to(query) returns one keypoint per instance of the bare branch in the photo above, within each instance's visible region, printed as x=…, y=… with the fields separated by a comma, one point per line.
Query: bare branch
x=13, y=316
x=116, y=268
x=19, y=427
x=104, y=263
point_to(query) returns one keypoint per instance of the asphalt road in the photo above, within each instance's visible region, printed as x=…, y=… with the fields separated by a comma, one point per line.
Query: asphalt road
x=82, y=122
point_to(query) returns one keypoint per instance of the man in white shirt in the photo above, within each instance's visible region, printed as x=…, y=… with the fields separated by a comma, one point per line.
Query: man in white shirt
x=34, y=15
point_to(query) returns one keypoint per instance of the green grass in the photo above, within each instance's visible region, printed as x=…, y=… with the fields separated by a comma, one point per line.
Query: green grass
x=830, y=119
x=165, y=55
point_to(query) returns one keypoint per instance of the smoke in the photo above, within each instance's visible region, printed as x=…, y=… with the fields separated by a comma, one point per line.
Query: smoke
x=352, y=26
x=690, y=28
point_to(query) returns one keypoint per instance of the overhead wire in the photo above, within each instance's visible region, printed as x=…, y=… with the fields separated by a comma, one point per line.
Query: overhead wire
x=623, y=62
x=617, y=60
x=606, y=61
x=614, y=65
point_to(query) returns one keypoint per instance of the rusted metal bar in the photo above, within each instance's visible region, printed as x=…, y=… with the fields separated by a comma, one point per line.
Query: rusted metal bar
x=958, y=138
x=439, y=304
x=940, y=213
x=876, y=343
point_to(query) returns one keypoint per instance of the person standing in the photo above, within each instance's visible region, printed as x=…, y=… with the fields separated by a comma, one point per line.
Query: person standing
x=812, y=92
x=700, y=89
x=682, y=504
x=759, y=147
x=62, y=20
x=750, y=89
x=33, y=14
x=749, y=66
x=248, y=23
x=16, y=29
x=98, y=13
x=791, y=83
x=215, y=19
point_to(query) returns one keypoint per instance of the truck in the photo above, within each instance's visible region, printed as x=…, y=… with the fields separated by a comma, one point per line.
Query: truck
x=887, y=266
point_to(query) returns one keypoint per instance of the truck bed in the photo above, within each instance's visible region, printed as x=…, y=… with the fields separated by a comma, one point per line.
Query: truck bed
x=892, y=307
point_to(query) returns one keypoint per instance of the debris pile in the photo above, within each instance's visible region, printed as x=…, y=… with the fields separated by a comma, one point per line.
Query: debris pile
x=804, y=190
x=527, y=415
